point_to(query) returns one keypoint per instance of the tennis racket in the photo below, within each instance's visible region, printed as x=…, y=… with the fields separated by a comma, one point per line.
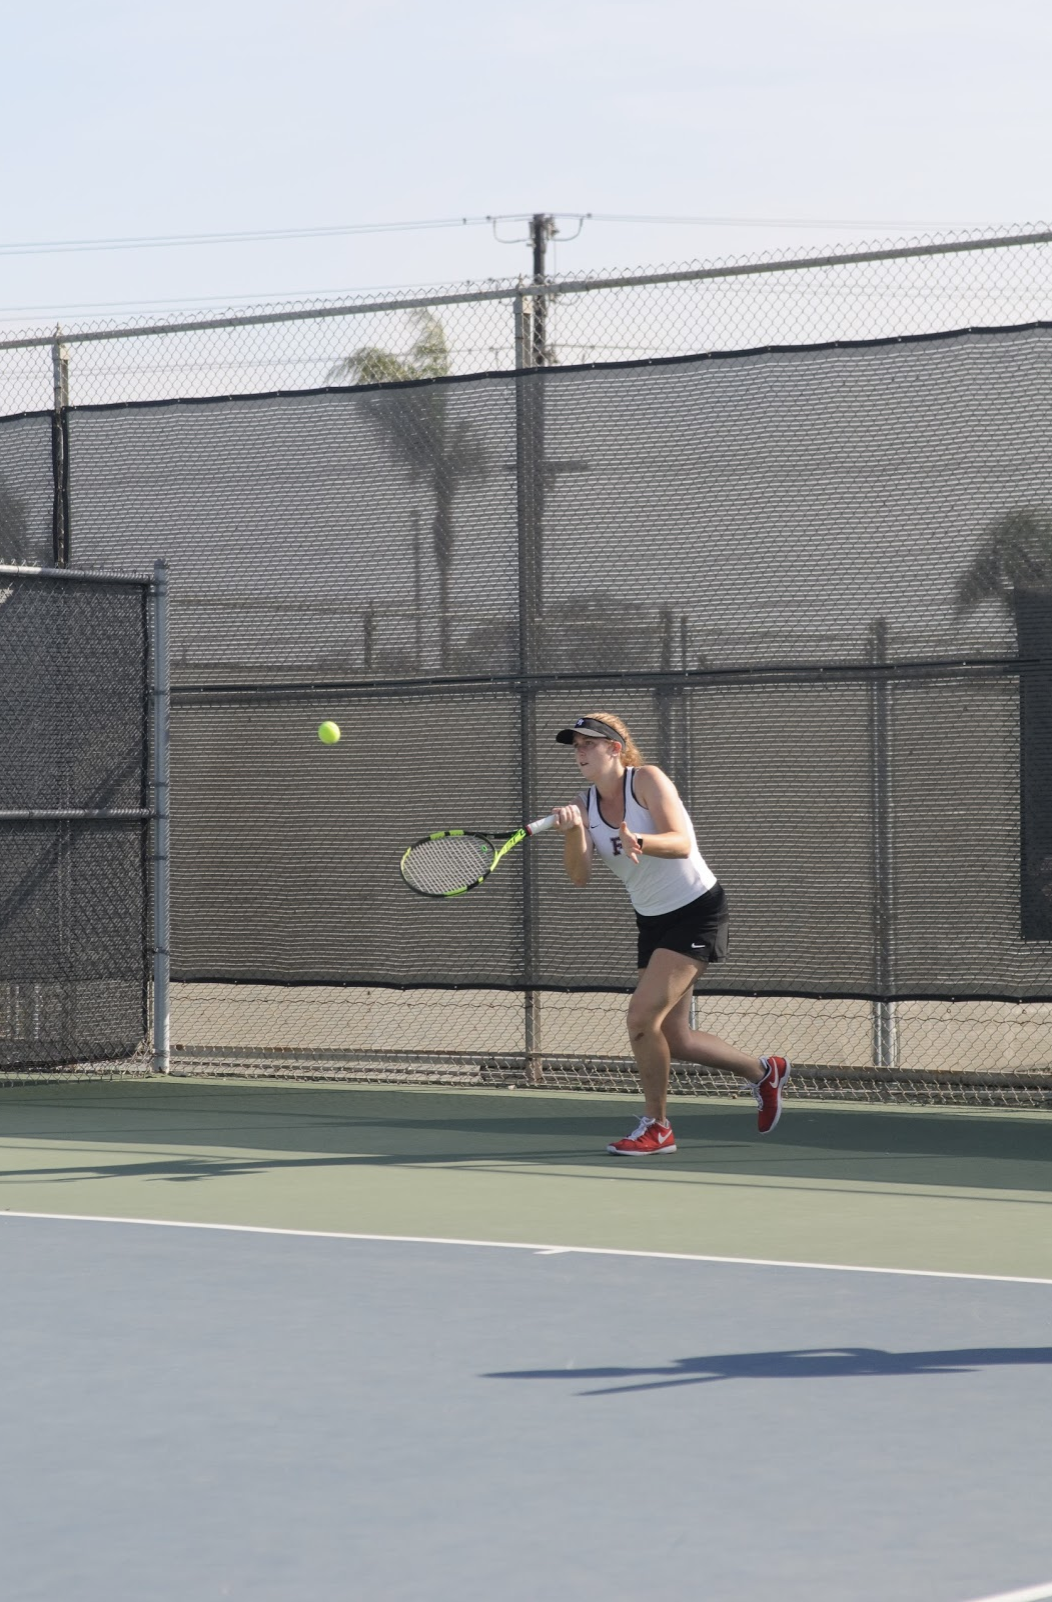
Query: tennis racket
x=457, y=860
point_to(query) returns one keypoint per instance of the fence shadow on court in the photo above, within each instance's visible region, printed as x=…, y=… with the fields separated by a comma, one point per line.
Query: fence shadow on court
x=186, y=1131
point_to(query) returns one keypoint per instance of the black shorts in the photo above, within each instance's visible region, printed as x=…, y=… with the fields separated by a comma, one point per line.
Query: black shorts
x=698, y=930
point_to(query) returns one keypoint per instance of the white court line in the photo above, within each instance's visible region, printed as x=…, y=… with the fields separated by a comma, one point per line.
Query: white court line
x=545, y=1250
x=1036, y=1593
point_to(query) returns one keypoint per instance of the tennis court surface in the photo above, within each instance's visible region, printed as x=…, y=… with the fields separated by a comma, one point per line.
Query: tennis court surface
x=289, y=1341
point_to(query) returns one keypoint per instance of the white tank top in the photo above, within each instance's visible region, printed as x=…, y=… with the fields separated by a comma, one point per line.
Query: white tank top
x=654, y=884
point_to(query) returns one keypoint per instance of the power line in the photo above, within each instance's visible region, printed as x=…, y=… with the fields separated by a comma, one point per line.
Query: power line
x=42, y=247
x=777, y=222
x=246, y=236
x=256, y=298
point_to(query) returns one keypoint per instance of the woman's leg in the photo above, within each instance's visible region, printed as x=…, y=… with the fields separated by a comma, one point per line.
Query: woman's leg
x=665, y=984
x=709, y=1051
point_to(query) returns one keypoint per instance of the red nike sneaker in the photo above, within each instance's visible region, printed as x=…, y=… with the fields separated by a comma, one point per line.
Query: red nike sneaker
x=768, y=1092
x=646, y=1138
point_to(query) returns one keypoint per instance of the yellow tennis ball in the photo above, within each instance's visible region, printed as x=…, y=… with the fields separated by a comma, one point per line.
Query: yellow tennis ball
x=328, y=733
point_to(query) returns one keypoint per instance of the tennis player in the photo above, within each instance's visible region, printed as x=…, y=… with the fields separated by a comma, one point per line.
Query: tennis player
x=631, y=816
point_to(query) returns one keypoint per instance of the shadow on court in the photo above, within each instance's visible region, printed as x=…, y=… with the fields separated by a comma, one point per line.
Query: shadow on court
x=287, y=1127
x=810, y=1363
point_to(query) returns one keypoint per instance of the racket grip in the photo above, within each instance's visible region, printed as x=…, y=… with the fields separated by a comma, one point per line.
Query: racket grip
x=541, y=825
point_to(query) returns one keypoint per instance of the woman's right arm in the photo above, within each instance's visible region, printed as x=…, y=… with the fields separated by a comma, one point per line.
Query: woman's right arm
x=577, y=843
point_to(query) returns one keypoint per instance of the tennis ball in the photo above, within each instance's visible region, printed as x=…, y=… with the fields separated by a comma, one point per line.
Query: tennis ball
x=328, y=733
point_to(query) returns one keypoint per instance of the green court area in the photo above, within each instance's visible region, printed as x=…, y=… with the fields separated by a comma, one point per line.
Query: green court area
x=961, y=1191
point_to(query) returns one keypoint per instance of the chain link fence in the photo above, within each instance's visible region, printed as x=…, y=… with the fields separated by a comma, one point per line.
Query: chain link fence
x=97, y=498
x=885, y=291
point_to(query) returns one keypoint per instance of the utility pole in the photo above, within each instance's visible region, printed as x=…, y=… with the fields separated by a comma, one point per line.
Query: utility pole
x=542, y=229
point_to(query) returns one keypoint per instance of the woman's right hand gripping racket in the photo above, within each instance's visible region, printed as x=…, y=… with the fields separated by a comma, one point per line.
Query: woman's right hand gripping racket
x=457, y=860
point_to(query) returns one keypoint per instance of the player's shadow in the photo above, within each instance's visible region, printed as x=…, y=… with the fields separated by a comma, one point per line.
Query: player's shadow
x=819, y=1362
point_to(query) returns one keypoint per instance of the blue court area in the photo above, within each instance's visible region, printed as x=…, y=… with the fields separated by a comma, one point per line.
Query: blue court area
x=193, y=1412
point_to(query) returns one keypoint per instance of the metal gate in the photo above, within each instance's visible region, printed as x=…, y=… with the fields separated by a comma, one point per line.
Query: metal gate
x=83, y=820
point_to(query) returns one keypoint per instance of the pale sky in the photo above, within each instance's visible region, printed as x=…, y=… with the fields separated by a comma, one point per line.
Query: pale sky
x=120, y=119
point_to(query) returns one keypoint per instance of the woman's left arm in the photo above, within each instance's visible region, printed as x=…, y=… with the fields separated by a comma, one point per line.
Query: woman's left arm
x=671, y=837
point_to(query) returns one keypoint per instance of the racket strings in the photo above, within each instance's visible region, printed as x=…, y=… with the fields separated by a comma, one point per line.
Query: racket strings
x=438, y=867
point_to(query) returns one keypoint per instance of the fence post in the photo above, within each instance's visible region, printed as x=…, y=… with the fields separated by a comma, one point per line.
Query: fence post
x=686, y=701
x=160, y=695
x=522, y=310
x=418, y=594
x=60, y=529
x=529, y=483
x=885, y=1033
x=663, y=695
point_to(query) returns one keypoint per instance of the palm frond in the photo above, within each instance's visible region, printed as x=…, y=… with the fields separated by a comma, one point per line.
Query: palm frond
x=430, y=353
x=370, y=364
x=427, y=357
x=1015, y=554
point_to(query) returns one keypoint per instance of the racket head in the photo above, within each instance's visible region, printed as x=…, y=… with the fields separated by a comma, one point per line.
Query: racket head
x=448, y=863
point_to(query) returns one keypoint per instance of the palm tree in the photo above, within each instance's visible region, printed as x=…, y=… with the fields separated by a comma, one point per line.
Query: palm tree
x=1015, y=558
x=437, y=449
